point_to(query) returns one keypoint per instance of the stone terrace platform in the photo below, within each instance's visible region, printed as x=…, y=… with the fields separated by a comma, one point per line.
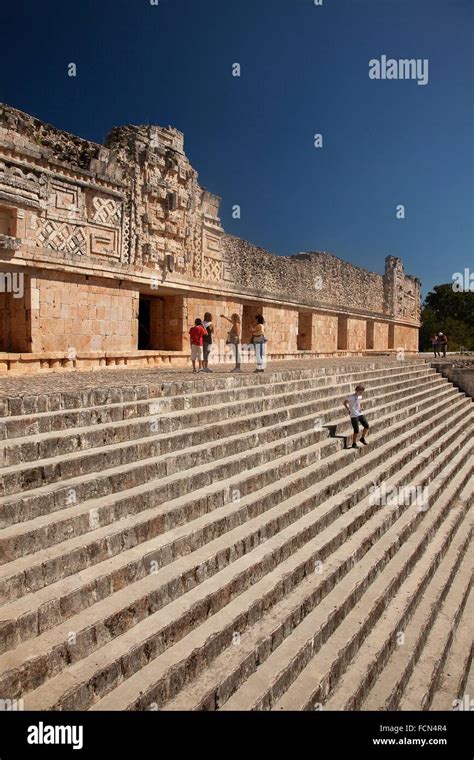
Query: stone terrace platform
x=138, y=380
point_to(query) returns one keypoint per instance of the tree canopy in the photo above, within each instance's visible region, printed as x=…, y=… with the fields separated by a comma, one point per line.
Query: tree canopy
x=445, y=310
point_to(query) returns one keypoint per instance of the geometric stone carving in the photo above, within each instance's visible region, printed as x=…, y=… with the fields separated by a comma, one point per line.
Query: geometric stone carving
x=211, y=244
x=211, y=269
x=152, y=253
x=227, y=273
x=106, y=211
x=62, y=237
x=126, y=232
x=212, y=265
x=104, y=242
x=65, y=197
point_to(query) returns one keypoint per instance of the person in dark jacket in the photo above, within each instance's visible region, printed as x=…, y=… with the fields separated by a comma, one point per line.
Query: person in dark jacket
x=207, y=341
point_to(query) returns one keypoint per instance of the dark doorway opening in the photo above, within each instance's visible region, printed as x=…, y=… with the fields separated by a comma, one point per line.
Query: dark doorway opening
x=369, y=335
x=249, y=312
x=144, y=324
x=305, y=331
x=391, y=336
x=161, y=323
x=342, y=337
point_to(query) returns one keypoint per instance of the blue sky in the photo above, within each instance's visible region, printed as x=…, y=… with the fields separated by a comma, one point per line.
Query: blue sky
x=304, y=70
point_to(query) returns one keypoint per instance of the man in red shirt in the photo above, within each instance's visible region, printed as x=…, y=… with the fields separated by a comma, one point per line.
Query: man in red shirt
x=196, y=334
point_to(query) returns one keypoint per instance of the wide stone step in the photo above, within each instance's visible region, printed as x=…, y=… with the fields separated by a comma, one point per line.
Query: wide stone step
x=35, y=461
x=214, y=464
x=50, y=529
x=324, y=668
x=155, y=386
x=222, y=678
x=123, y=455
x=31, y=573
x=454, y=691
x=32, y=615
x=192, y=449
x=164, y=676
x=410, y=615
x=151, y=624
x=298, y=674
x=78, y=472
x=205, y=543
x=33, y=426
x=421, y=687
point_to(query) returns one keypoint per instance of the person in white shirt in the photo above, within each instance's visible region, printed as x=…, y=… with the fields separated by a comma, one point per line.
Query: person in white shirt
x=353, y=405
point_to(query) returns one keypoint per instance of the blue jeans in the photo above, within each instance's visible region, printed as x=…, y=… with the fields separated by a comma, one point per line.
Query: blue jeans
x=236, y=347
x=259, y=344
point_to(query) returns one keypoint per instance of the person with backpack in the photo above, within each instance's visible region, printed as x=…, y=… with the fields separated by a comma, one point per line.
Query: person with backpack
x=207, y=341
x=258, y=341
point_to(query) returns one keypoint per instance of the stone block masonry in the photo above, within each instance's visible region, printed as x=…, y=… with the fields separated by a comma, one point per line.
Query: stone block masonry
x=172, y=541
x=460, y=372
x=121, y=249
x=92, y=315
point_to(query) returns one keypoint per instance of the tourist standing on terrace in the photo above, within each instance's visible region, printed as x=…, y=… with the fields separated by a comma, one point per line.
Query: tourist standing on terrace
x=434, y=344
x=233, y=338
x=443, y=343
x=258, y=340
x=207, y=341
x=196, y=335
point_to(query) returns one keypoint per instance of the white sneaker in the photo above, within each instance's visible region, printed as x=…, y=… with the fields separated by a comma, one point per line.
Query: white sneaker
x=236, y=369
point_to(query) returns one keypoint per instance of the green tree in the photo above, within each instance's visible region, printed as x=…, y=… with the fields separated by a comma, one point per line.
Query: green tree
x=445, y=310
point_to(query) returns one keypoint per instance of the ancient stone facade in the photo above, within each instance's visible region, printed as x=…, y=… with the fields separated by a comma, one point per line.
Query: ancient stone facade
x=117, y=249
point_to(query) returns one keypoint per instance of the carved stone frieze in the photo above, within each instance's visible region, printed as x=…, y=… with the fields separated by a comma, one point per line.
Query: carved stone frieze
x=62, y=237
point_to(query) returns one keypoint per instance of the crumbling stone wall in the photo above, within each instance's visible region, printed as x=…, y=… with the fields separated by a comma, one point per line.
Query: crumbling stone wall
x=321, y=279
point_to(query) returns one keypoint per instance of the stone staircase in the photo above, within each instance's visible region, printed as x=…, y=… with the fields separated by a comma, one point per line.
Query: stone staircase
x=209, y=543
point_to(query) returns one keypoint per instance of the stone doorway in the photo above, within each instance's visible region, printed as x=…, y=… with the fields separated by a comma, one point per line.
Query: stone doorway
x=144, y=324
x=249, y=312
x=342, y=338
x=305, y=330
x=391, y=336
x=369, y=335
x=161, y=323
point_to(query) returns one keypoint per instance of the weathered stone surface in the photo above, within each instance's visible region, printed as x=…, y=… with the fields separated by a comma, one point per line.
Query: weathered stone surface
x=98, y=231
x=233, y=557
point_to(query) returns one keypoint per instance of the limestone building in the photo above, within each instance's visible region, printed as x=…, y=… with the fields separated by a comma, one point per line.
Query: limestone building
x=109, y=253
